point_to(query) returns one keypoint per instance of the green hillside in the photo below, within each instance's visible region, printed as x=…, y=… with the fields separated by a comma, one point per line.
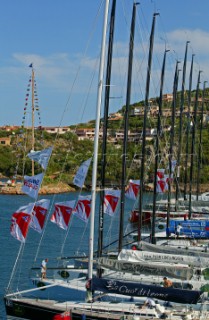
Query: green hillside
x=69, y=152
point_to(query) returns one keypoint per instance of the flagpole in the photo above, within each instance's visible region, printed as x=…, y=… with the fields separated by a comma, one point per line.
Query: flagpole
x=96, y=142
x=32, y=142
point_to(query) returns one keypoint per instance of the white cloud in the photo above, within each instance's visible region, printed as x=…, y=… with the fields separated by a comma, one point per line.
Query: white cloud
x=57, y=72
x=198, y=40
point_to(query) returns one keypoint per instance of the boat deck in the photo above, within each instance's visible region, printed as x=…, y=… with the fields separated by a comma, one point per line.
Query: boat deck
x=96, y=310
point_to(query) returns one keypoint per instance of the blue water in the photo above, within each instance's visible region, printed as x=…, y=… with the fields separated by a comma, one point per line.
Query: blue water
x=50, y=246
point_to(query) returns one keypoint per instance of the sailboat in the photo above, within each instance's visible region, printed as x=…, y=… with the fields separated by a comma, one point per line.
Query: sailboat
x=20, y=305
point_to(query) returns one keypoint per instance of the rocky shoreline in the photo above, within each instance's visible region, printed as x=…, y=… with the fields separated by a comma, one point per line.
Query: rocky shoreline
x=47, y=189
x=64, y=188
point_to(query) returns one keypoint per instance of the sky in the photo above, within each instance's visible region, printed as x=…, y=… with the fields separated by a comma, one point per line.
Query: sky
x=62, y=38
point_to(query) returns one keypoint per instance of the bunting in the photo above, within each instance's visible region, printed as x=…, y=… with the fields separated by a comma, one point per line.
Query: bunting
x=111, y=199
x=20, y=222
x=83, y=208
x=39, y=215
x=21, y=137
x=81, y=173
x=32, y=184
x=62, y=213
x=132, y=189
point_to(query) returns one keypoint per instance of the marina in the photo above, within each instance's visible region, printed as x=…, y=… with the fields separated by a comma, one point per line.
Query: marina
x=118, y=251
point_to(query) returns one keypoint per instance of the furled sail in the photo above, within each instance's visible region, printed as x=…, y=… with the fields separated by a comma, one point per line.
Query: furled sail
x=145, y=246
x=146, y=268
x=135, y=255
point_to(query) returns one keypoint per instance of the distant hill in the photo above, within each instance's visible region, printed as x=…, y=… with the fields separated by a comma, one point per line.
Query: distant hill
x=69, y=152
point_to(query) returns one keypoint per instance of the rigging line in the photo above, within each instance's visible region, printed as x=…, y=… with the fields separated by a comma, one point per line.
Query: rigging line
x=49, y=211
x=90, y=86
x=82, y=237
x=125, y=16
x=46, y=222
x=60, y=177
x=108, y=233
x=44, y=228
x=14, y=267
x=20, y=265
x=79, y=67
x=70, y=224
x=72, y=90
x=21, y=250
x=144, y=35
x=120, y=67
x=84, y=231
x=67, y=232
x=131, y=166
x=68, y=229
x=117, y=51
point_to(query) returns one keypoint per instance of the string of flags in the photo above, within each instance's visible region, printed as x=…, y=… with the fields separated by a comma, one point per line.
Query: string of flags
x=28, y=97
x=34, y=214
x=21, y=137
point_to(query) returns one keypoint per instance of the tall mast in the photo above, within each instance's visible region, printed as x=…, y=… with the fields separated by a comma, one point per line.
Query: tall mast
x=180, y=121
x=33, y=109
x=200, y=142
x=146, y=105
x=188, y=127
x=96, y=142
x=157, y=148
x=128, y=96
x=105, y=124
x=193, y=144
x=175, y=88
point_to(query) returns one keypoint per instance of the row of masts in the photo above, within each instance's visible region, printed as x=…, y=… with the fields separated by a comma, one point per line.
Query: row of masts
x=159, y=131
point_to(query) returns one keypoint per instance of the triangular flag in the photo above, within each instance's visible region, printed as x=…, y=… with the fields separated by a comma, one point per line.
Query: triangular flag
x=111, y=199
x=39, y=215
x=81, y=173
x=83, y=208
x=20, y=222
x=62, y=213
x=132, y=189
x=42, y=157
x=31, y=185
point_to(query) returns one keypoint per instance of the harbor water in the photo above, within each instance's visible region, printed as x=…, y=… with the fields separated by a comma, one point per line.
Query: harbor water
x=76, y=241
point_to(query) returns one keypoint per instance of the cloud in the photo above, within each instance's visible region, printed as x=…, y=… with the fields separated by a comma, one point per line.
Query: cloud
x=59, y=70
x=59, y=73
x=198, y=40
